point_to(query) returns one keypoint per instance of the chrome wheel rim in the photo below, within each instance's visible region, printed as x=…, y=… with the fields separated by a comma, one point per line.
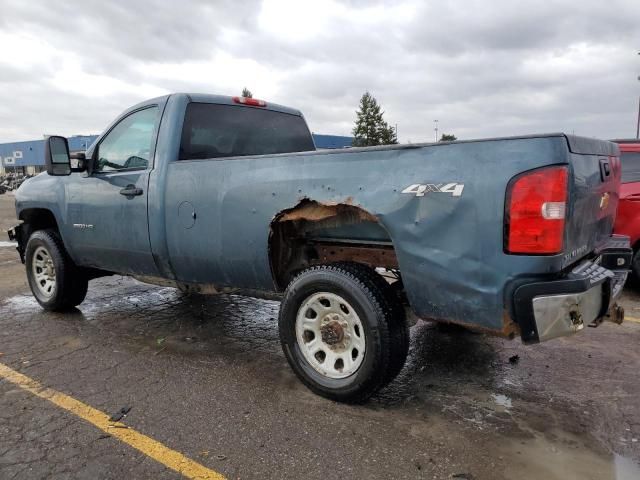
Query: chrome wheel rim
x=330, y=335
x=44, y=272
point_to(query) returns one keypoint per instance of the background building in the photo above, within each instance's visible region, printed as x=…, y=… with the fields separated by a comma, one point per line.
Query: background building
x=27, y=157
x=324, y=142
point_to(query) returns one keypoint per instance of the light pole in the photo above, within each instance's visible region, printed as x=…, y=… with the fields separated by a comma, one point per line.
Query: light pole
x=638, y=123
x=435, y=123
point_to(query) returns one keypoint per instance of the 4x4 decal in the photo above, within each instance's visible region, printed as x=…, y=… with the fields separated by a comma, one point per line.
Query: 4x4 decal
x=419, y=190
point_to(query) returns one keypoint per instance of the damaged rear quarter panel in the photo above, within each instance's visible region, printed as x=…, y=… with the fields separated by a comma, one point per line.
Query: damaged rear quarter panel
x=450, y=249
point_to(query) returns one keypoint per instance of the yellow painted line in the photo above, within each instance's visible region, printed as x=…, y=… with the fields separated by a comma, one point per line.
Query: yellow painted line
x=150, y=447
x=627, y=318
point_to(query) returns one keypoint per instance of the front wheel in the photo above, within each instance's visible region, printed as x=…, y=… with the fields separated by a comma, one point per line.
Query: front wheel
x=343, y=331
x=635, y=266
x=55, y=281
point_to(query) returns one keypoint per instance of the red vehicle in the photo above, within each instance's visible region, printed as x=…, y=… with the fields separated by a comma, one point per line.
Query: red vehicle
x=628, y=218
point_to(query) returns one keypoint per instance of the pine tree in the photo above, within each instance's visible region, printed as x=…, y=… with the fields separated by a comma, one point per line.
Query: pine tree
x=388, y=135
x=447, y=138
x=247, y=93
x=370, y=128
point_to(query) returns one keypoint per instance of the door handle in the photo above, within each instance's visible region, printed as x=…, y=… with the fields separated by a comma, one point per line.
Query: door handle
x=131, y=191
x=605, y=169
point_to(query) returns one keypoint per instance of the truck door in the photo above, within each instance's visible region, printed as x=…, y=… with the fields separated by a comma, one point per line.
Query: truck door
x=107, y=210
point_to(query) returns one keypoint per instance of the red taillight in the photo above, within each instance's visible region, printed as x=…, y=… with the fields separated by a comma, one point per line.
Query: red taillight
x=536, y=206
x=254, y=102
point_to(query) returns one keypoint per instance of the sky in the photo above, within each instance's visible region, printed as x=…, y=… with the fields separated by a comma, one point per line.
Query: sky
x=481, y=69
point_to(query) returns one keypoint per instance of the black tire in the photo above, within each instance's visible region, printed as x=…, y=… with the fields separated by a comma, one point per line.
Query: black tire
x=70, y=284
x=386, y=333
x=635, y=266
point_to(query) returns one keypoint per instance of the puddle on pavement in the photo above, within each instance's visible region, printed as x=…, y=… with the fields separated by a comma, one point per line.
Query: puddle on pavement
x=502, y=400
x=20, y=303
x=164, y=318
x=566, y=458
x=625, y=468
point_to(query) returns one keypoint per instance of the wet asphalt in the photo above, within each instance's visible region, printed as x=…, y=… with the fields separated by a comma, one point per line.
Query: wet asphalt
x=205, y=376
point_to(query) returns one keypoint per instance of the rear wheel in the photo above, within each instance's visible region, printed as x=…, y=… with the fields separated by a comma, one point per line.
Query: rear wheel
x=55, y=281
x=343, y=331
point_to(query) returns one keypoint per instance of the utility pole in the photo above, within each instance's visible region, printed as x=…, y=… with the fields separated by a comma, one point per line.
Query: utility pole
x=435, y=122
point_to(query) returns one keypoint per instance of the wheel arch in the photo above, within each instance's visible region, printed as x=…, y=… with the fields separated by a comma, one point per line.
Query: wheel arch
x=38, y=219
x=33, y=219
x=312, y=233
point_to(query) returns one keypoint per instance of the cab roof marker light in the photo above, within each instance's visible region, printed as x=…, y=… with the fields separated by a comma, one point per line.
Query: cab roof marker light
x=254, y=102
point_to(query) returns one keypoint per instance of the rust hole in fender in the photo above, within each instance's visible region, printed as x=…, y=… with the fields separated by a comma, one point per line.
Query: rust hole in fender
x=312, y=211
x=314, y=233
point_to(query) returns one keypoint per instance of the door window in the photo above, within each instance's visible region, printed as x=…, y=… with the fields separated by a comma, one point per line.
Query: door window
x=630, y=167
x=130, y=143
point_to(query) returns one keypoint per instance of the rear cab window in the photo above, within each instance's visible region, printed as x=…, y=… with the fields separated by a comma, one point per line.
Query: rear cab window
x=217, y=131
x=630, y=166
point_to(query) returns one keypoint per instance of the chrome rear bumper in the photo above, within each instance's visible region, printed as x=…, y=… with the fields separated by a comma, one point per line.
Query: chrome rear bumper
x=561, y=315
x=546, y=310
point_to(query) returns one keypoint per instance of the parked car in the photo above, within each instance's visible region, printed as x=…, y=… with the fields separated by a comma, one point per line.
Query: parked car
x=628, y=218
x=509, y=236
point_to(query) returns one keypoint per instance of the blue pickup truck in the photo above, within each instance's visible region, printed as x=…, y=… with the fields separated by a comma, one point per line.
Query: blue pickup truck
x=509, y=236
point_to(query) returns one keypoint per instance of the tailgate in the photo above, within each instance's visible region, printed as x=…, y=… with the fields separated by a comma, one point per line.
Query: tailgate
x=593, y=195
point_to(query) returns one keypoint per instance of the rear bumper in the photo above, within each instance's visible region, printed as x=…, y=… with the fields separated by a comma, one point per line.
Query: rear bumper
x=550, y=309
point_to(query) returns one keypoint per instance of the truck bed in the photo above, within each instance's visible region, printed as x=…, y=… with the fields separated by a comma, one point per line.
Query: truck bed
x=448, y=248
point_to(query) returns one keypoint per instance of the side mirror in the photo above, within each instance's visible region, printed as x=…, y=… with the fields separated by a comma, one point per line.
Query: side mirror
x=56, y=156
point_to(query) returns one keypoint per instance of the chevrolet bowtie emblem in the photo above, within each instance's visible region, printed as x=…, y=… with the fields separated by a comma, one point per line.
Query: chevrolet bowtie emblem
x=604, y=201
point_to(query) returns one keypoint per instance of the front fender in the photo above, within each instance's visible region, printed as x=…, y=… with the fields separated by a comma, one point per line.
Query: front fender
x=45, y=194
